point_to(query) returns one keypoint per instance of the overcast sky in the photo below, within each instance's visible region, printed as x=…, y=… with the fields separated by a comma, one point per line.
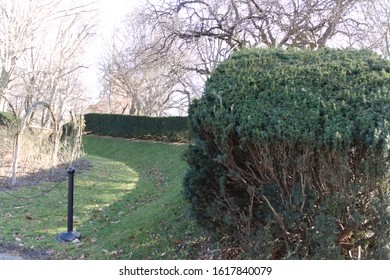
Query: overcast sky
x=110, y=13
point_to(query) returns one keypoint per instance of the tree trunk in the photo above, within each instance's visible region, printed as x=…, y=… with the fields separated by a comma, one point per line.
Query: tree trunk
x=3, y=105
x=15, y=158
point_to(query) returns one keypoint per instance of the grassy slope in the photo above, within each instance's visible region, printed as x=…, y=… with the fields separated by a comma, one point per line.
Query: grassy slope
x=128, y=206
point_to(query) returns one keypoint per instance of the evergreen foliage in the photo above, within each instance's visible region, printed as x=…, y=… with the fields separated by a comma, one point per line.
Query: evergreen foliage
x=291, y=154
x=126, y=126
x=7, y=119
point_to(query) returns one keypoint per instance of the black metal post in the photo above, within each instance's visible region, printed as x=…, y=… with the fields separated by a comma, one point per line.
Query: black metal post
x=70, y=235
x=71, y=172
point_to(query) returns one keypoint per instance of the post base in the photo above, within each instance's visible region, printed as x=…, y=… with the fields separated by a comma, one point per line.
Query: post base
x=68, y=236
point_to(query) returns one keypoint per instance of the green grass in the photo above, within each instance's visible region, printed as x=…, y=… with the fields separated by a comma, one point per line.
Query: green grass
x=129, y=205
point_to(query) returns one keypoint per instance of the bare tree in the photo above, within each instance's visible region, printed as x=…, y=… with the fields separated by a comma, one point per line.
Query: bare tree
x=136, y=68
x=18, y=136
x=41, y=66
x=16, y=28
x=254, y=23
x=376, y=16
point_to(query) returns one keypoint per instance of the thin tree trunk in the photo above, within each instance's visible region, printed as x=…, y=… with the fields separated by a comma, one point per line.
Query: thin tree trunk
x=15, y=158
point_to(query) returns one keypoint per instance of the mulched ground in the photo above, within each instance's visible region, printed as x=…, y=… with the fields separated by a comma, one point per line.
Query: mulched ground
x=53, y=175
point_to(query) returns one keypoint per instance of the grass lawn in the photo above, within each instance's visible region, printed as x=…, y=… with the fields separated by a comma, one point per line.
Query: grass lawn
x=129, y=205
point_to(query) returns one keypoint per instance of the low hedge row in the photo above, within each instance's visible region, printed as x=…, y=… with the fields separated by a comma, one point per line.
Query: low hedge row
x=141, y=127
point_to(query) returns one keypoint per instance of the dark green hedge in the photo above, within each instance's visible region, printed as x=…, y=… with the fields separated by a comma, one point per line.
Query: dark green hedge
x=291, y=154
x=126, y=126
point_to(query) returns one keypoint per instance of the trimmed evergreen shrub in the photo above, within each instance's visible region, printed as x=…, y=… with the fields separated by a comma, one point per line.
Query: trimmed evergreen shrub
x=291, y=154
x=126, y=126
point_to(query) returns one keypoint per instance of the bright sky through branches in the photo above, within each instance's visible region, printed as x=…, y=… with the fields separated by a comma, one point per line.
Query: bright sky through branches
x=110, y=15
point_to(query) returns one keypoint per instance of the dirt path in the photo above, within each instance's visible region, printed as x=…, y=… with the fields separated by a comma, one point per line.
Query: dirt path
x=6, y=256
x=13, y=252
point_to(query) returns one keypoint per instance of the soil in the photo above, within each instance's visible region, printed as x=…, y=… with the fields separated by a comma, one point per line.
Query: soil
x=14, y=252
